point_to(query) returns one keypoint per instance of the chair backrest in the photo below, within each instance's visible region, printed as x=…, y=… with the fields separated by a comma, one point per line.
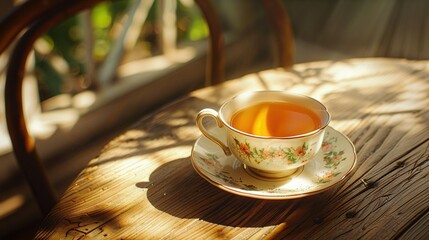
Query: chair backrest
x=282, y=28
x=40, y=17
x=34, y=18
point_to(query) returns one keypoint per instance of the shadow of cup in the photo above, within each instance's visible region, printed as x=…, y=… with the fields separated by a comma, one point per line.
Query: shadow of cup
x=175, y=188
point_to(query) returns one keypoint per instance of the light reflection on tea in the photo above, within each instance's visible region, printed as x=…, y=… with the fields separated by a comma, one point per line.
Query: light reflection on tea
x=276, y=119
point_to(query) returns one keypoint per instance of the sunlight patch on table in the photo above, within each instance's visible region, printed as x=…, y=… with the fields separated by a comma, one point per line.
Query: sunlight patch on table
x=174, y=122
x=349, y=70
x=174, y=153
x=187, y=132
x=344, y=124
x=128, y=169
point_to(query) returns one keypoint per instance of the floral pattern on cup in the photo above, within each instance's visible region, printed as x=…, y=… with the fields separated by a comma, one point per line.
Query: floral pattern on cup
x=289, y=155
x=332, y=158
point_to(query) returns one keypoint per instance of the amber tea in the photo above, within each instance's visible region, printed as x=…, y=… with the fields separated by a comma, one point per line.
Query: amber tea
x=276, y=119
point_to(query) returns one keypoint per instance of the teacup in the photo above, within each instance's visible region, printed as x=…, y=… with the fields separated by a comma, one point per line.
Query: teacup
x=266, y=150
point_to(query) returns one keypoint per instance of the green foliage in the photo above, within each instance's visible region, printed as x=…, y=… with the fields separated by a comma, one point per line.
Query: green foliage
x=198, y=29
x=65, y=40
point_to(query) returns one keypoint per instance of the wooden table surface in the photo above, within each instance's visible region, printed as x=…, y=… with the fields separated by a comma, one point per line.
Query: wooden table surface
x=143, y=185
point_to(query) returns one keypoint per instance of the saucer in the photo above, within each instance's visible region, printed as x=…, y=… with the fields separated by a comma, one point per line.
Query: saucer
x=334, y=161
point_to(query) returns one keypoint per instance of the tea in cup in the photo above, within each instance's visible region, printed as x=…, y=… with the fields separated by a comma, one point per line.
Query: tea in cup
x=273, y=133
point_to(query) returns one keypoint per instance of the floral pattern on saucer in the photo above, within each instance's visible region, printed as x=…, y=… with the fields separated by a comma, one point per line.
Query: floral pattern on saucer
x=330, y=165
x=332, y=157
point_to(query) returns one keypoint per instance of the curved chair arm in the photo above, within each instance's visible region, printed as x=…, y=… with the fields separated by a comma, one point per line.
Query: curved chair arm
x=23, y=143
x=21, y=17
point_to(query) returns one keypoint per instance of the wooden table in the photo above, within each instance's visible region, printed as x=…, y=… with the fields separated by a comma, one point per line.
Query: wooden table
x=143, y=185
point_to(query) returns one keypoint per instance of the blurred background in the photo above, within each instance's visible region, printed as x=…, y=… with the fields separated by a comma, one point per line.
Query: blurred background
x=130, y=51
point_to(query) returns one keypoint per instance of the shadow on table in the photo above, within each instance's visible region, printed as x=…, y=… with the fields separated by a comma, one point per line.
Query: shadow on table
x=175, y=188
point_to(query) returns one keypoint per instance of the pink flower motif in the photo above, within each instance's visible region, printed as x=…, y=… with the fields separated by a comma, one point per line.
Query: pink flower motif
x=266, y=154
x=336, y=158
x=300, y=151
x=326, y=147
x=279, y=154
x=244, y=149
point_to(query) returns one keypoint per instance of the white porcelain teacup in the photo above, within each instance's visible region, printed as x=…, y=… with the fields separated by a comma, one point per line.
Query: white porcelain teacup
x=270, y=157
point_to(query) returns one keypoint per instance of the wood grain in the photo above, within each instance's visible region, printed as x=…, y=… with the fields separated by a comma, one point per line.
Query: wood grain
x=143, y=186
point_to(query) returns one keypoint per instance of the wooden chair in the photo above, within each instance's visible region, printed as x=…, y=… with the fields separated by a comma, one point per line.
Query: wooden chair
x=282, y=28
x=41, y=16
x=34, y=18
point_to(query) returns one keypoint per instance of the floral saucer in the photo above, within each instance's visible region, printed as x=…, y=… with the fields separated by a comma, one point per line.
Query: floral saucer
x=331, y=165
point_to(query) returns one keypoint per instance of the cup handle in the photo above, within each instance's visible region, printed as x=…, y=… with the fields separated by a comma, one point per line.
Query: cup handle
x=213, y=114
